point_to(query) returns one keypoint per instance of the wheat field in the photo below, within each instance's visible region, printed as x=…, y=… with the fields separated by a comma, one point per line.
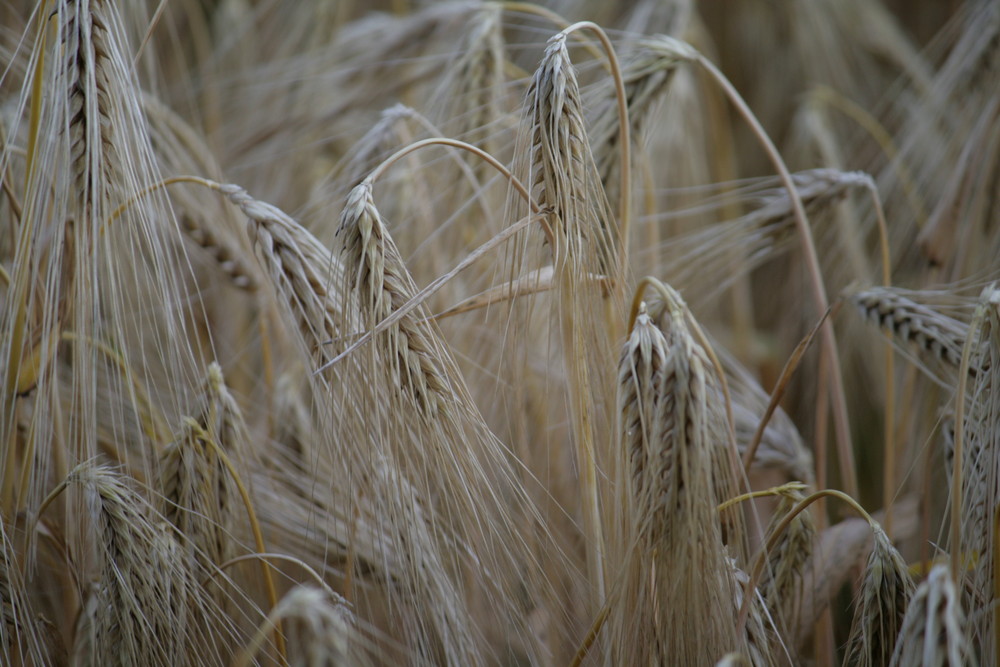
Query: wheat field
x=653, y=332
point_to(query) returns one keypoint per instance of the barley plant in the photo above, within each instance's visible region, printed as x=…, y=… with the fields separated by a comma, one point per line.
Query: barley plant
x=651, y=332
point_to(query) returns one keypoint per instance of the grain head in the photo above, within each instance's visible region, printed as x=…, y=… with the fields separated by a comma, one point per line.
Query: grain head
x=885, y=593
x=933, y=631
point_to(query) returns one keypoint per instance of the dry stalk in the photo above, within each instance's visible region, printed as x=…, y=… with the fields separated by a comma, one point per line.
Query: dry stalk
x=845, y=448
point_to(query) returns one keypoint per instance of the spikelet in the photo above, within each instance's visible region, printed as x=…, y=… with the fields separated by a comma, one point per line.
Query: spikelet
x=647, y=74
x=226, y=257
x=757, y=640
x=762, y=234
x=20, y=632
x=563, y=176
x=474, y=84
x=639, y=372
x=672, y=315
x=563, y=180
x=93, y=70
x=422, y=431
x=886, y=589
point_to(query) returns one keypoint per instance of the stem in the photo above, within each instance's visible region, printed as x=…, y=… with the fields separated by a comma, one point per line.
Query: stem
x=773, y=491
x=889, y=463
x=265, y=557
x=588, y=641
x=19, y=294
x=556, y=19
x=868, y=123
x=580, y=393
x=779, y=389
x=841, y=422
x=381, y=168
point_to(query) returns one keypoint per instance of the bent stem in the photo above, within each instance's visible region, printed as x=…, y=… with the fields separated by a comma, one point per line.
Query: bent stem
x=553, y=17
x=381, y=168
x=889, y=464
x=851, y=109
x=838, y=395
x=766, y=493
x=266, y=558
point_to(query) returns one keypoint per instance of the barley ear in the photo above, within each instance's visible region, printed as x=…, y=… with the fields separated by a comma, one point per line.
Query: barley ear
x=782, y=583
x=933, y=627
x=143, y=581
x=886, y=589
